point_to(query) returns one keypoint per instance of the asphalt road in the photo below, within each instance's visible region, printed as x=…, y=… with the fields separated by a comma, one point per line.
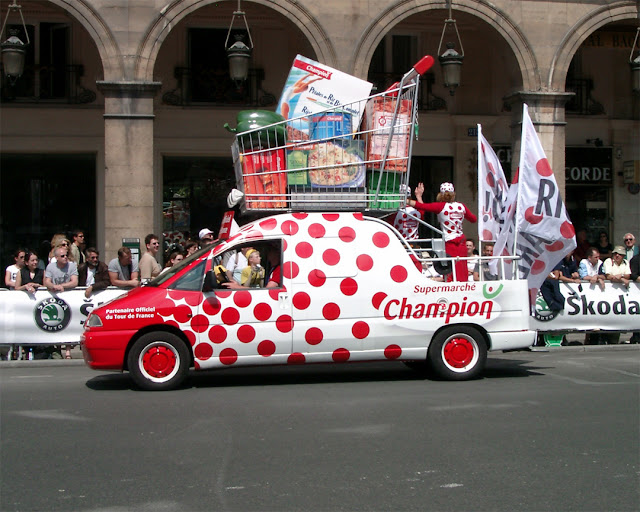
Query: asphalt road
x=552, y=430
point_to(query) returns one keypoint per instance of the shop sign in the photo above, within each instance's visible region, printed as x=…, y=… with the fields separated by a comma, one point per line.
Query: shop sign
x=588, y=166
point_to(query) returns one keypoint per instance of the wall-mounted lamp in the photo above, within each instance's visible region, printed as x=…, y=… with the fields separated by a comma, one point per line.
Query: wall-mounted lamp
x=451, y=60
x=13, y=49
x=238, y=53
x=597, y=142
x=635, y=64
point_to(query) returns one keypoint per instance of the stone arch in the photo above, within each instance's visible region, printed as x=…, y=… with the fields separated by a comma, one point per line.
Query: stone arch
x=603, y=15
x=88, y=17
x=173, y=13
x=486, y=11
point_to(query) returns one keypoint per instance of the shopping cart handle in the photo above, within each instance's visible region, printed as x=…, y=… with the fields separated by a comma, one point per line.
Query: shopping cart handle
x=424, y=64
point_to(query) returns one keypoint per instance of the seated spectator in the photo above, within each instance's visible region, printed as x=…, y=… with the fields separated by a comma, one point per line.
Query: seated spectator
x=12, y=271
x=568, y=269
x=487, y=273
x=61, y=274
x=122, y=272
x=631, y=249
x=148, y=265
x=589, y=268
x=174, y=258
x=30, y=276
x=427, y=267
x=616, y=269
x=94, y=274
x=237, y=263
x=253, y=274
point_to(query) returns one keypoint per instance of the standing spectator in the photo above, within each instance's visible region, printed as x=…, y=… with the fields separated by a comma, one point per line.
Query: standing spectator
x=471, y=251
x=616, y=268
x=205, y=236
x=189, y=248
x=174, y=258
x=55, y=241
x=122, y=272
x=487, y=274
x=12, y=270
x=604, y=246
x=634, y=266
x=61, y=274
x=30, y=276
x=582, y=245
x=630, y=247
x=94, y=274
x=568, y=269
x=78, y=246
x=450, y=214
x=66, y=244
x=589, y=269
x=149, y=266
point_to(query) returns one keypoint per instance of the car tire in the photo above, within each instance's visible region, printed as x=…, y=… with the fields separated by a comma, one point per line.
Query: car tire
x=457, y=353
x=159, y=361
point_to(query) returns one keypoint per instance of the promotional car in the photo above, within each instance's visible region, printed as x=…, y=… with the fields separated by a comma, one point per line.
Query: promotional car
x=338, y=287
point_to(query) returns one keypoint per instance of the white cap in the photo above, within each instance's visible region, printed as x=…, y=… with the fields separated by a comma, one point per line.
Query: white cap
x=446, y=187
x=204, y=232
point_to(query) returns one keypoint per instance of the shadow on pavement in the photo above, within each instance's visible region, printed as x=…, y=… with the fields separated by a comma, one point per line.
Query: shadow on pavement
x=313, y=374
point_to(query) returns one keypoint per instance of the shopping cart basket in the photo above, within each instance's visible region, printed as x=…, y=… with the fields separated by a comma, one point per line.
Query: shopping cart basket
x=322, y=162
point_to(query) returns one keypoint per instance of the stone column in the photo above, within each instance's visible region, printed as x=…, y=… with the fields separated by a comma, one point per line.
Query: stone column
x=547, y=112
x=129, y=198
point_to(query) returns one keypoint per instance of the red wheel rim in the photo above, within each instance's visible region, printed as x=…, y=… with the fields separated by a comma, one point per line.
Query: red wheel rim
x=159, y=361
x=458, y=352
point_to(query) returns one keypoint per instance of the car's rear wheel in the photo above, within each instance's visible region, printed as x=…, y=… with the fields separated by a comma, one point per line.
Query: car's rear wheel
x=158, y=361
x=457, y=353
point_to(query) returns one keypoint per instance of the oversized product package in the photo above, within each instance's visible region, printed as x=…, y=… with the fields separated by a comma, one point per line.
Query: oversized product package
x=264, y=174
x=336, y=164
x=379, y=119
x=312, y=88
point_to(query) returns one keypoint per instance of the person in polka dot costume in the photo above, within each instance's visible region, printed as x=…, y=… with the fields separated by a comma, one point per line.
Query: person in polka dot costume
x=451, y=214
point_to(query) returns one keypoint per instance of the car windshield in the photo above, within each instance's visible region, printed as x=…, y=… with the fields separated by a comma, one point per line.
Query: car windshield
x=169, y=273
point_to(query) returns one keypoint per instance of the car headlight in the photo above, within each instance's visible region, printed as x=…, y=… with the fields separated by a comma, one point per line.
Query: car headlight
x=93, y=321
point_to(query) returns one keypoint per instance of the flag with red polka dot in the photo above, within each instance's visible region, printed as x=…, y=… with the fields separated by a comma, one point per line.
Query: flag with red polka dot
x=492, y=191
x=544, y=232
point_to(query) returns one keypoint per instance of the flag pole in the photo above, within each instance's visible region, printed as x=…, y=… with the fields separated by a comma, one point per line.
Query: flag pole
x=478, y=160
x=525, y=112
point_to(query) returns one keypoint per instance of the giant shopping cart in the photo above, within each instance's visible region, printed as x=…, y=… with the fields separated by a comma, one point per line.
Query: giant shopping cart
x=323, y=161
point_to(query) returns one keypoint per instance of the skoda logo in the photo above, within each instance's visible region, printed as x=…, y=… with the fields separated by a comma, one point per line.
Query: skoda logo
x=542, y=312
x=52, y=314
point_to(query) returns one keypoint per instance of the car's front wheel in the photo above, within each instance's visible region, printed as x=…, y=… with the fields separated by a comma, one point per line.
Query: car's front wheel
x=158, y=361
x=457, y=353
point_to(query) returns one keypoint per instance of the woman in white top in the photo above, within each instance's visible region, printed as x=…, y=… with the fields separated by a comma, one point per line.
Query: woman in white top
x=12, y=270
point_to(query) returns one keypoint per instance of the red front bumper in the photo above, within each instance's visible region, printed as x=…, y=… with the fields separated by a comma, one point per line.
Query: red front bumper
x=105, y=350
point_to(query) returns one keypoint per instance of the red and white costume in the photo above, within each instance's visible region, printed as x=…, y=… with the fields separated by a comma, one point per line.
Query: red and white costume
x=451, y=216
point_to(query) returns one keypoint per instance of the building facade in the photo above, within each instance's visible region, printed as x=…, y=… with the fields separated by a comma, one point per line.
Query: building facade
x=116, y=126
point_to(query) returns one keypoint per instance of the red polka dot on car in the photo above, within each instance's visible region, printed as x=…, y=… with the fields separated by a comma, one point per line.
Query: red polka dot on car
x=266, y=348
x=230, y=316
x=228, y=356
x=246, y=334
x=340, y=355
x=331, y=311
x=203, y=351
x=217, y=334
x=313, y=336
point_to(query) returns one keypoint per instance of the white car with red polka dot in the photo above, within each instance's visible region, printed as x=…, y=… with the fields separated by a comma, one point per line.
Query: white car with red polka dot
x=317, y=288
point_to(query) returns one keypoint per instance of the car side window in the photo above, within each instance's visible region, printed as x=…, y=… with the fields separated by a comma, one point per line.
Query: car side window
x=191, y=280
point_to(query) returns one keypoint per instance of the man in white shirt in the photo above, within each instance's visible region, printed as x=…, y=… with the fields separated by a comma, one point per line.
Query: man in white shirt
x=616, y=269
x=590, y=267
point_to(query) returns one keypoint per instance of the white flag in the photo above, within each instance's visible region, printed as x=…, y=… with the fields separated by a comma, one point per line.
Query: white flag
x=544, y=232
x=492, y=191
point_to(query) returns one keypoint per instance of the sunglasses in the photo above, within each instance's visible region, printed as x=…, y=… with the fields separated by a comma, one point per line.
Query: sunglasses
x=63, y=256
x=628, y=239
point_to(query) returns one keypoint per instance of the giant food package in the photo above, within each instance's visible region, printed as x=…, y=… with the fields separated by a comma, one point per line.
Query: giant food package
x=379, y=119
x=264, y=177
x=312, y=88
